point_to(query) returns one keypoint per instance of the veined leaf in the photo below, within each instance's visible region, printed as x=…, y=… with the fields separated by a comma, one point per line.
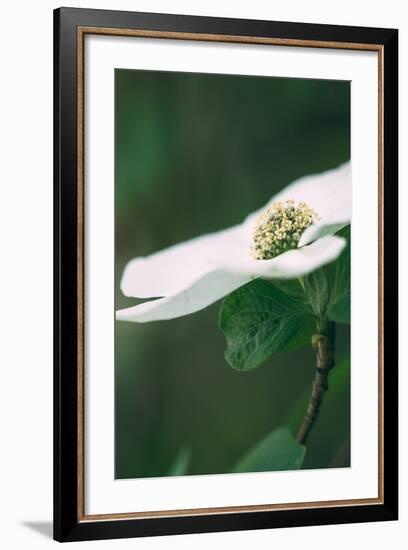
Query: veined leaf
x=258, y=320
x=316, y=289
x=339, y=304
x=292, y=288
x=303, y=337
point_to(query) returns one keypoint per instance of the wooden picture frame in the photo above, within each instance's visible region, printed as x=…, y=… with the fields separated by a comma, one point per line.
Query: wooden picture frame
x=71, y=26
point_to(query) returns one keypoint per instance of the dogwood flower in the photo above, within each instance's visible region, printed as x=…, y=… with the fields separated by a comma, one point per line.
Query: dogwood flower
x=298, y=225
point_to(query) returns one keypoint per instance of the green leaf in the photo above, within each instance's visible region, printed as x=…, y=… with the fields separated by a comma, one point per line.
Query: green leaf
x=277, y=452
x=180, y=464
x=303, y=337
x=258, y=320
x=316, y=289
x=292, y=288
x=339, y=304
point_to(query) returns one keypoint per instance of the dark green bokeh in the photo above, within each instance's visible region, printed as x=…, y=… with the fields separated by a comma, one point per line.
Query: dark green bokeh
x=196, y=153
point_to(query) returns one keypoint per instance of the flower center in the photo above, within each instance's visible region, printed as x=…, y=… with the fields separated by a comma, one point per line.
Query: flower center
x=280, y=227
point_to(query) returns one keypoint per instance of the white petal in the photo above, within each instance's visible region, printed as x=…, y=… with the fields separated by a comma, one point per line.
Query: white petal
x=329, y=194
x=234, y=273
x=319, y=230
x=291, y=264
x=200, y=294
x=169, y=271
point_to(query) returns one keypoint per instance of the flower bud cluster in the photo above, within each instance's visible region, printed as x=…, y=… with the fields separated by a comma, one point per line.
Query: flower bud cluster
x=280, y=227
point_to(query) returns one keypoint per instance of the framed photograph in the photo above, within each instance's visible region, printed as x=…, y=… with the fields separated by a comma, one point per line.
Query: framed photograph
x=225, y=274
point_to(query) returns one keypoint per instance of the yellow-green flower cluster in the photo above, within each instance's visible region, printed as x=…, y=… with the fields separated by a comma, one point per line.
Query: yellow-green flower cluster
x=280, y=227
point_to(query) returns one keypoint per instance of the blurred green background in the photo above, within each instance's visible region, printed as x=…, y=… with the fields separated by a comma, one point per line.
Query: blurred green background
x=196, y=153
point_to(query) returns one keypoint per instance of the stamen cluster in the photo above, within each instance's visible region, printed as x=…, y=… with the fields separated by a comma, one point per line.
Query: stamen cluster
x=280, y=227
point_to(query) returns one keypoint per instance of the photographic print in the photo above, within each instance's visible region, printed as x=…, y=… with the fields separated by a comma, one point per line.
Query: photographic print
x=226, y=314
x=232, y=274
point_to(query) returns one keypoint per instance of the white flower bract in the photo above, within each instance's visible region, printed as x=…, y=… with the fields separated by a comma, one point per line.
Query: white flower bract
x=192, y=275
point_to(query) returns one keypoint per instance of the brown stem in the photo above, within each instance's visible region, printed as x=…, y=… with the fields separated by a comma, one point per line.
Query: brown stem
x=323, y=344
